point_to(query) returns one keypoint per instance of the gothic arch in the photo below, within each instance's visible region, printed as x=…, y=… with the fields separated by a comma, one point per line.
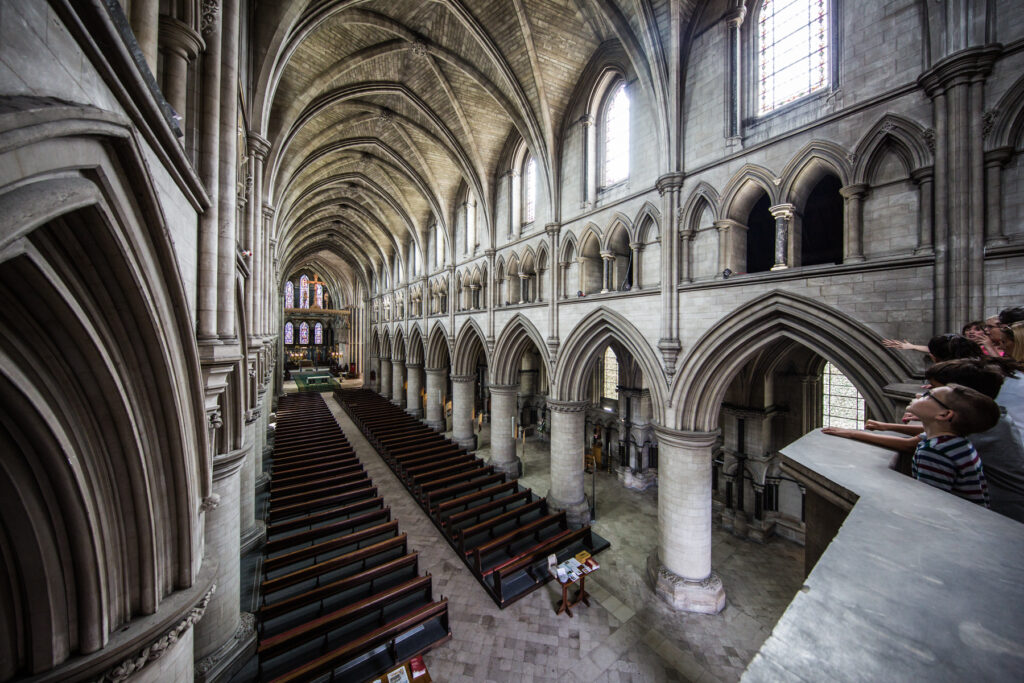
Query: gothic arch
x=1008, y=121
x=385, y=345
x=398, y=345
x=568, y=248
x=597, y=329
x=809, y=165
x=375, y=342
x=743, y=190
x=438, y=348
x=647, y=216
x=414, y=345
x=897, y=133
x=514, y=339
x=704, y=195
x=618, y=222
x=712, y=363
x=469, y=344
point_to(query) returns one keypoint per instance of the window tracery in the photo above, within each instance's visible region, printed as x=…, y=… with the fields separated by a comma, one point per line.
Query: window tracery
x=792, y=51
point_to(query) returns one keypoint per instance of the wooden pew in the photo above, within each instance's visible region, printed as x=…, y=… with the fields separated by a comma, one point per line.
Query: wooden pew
x=312, y=520
x=463, y=503
x=481, y=555
x=283, y=541
x=485, y=530
x=537, y=556
x=279, y=513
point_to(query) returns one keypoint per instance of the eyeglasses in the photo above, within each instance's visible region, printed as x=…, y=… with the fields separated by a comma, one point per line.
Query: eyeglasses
x=928, y=394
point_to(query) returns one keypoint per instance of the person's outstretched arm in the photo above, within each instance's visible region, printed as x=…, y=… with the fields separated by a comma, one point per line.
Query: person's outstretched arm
x=903, y=345
x=893, y=443
x=909, y=430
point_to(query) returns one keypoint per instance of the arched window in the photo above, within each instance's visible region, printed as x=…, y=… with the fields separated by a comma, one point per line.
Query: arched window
x=303, y=292
x=319, y=296
x=304, y=333
x=289, y=333
x=792, y=51
x=439, y=241
x=615, y=136
x=841, y=403
x=611, y=375
x=289, y=295
x=318, y=333
x=529, y=190
x=470, y=224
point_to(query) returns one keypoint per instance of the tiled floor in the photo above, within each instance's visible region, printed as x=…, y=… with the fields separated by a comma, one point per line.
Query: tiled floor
x=627, y=633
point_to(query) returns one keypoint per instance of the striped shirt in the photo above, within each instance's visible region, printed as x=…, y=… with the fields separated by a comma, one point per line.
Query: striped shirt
x=950, y=463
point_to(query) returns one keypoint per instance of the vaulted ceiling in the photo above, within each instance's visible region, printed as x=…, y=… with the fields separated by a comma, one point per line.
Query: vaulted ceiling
x=380, y=112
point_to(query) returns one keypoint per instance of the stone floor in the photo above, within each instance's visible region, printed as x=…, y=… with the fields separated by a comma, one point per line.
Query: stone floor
x=627, y=633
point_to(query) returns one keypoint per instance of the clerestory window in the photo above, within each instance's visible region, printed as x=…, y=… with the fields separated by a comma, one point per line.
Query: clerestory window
x=615, y=137
x=792, y=51
x=610, y=388
x=529, y=190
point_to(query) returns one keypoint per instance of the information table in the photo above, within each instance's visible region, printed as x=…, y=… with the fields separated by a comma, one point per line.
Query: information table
x=573, y=571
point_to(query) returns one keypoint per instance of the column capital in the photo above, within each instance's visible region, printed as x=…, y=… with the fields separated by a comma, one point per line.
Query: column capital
x=414, y=366
x=786, y=211
x=585, y=121
x=637, y=246
x=961, y=67
x=608, y=256
x=996, y=157
x=669, y=181
x=436, y=371
x=678, y=438
x=729, y=224
x=268, y=212
x=922, y=175
x=463, y=379
x=567, y=406
x=734, y=18
x=259, y=146
x=178, y=36
x=854, y=191
x=507, y=389
x=553, y=228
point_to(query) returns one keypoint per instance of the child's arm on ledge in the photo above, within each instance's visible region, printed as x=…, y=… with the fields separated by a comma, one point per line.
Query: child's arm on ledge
x=909, y=430
x=894, y=443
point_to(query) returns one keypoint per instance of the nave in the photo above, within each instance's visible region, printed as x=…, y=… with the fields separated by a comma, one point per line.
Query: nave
x=627, y=633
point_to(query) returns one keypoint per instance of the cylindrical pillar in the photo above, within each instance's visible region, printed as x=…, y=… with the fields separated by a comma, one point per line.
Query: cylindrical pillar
x=414, y=383
x=209, y=171
x=227, y=218
x=680, y=568
x=637, y=249
x=385, y=377
x=783, y=214
x=567, y=444
x=854, y=195
x=436, y=398
x=247, y=484
x=223, y=636
x=462, y=411
x=145, y=22
x=503, y=436
x=374, y=383
x=398, y=382
x=181, y=44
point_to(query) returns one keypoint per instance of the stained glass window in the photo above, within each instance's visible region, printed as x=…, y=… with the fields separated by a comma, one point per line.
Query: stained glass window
x=841, y=403
x=319, y=296
x=792, y=51
x=303, y=292
x=616, y=136
x=318, y=333
x=289, y=333
x=289, y=295
x=611, y=375
x=530, y=190
x=304, y=333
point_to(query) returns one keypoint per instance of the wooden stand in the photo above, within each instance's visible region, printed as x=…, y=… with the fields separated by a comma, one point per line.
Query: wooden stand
x=581, y=596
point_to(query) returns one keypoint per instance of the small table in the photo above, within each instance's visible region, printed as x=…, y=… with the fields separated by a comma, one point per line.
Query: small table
x=581, y=596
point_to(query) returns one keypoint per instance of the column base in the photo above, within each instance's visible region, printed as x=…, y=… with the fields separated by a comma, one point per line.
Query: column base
x=577, y=514
x=253, y=538
x=854, y=259
x=436, y=425
x=512, y=469
x=637, y=481
x=262, y=481
x=232, y=655
x=416, y=412
x=469, y=443
x=703, y=597
x=780, y=266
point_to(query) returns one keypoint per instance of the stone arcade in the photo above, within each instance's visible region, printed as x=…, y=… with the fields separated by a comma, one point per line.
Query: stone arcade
x=670, y=235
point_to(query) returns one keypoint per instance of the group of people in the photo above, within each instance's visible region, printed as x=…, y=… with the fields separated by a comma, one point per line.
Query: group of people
x=965, y=430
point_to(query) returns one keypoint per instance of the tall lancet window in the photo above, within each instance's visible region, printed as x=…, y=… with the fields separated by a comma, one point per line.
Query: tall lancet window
x=304, y=333
x=289, y=333
x=530, y=190
x=318, y=333
x=319, y=296
x=303, y=292
x=793, y=51
x=615, y=134
x=610, y=388
x=289, y=295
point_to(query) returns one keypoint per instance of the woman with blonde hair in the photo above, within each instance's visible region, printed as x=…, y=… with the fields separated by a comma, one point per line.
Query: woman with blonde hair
x=1012, y=341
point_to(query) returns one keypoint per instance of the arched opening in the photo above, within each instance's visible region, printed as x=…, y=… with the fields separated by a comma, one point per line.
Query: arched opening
x=591, y=265
x=760, y=236
x=822, y=230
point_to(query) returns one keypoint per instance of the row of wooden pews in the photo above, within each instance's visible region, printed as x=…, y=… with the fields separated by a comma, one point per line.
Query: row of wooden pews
x=342, y=597
x=502, y=531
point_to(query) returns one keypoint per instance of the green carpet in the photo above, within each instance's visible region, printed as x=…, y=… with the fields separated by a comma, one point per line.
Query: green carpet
x=303, y=385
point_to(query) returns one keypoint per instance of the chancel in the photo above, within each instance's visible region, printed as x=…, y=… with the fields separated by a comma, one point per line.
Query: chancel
x=494, y=339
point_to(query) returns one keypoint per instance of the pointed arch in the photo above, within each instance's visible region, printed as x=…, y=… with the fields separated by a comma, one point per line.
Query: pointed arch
x=618, y=222
x=439, y=352
x=743, y=189
x=398, y=345
x=647, y=216
x=385, y=345
x=469, y=345
x=704, y=196
x=728, y=344
x=513, y=341
x=1008, y=125
x=891, y=132
x=375, y=342
x=568, y=249
x=577, y=355
x=817, y=158
x=414, y=346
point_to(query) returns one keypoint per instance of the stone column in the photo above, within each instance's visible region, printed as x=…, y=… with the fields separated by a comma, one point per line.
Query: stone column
x=145, y=22
x=783, y=214
x=680, y=568
x=462, y=411
x=853, y=250
x=567, y=445
x=385, y=377
x=181, y=44
x=503, y=437
x=225, y=637
x=374, y=364
x=994, y=162
x=435, y=398
x=924, y=177
x=227, y=219
x=414, y=382
x=209, y=172
x=734, y=21
x=669, y=187
x=524, y=287
x=563, y=278
x=251, y=531
x=258, y=148
x=638, y=250
x=732, y=246
x=398, y=382
x=607, y=271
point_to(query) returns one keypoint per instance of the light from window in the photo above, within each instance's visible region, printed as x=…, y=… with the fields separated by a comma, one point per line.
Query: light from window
x=289, y=295
x=530, y=191
x=304, y=333
x=318, y=333
x=319, y=296
x=303, y=292
x=616, y=137
x=470, y=225
x=611, y=375
x=793, y=52
x=439, y=238
x=841, y=403
x=289, y=333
